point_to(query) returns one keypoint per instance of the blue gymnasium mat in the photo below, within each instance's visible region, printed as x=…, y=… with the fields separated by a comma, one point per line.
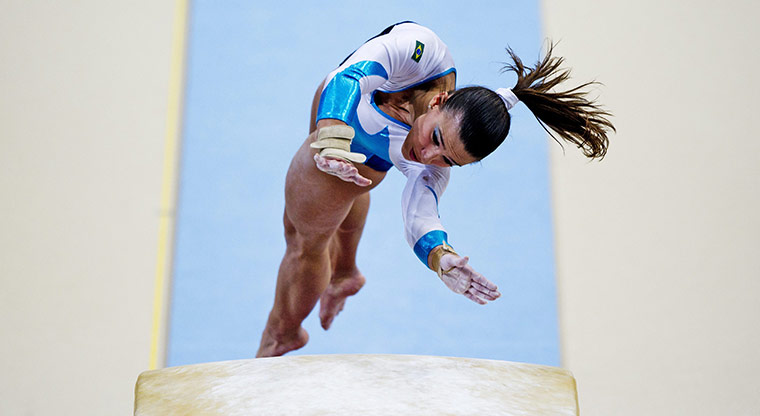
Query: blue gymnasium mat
x=251, y=73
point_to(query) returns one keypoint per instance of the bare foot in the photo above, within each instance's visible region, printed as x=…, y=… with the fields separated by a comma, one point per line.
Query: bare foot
x=334, y=297
x=274, y=347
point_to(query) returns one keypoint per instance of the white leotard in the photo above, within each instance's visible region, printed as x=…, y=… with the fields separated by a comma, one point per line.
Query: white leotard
x=403, y=56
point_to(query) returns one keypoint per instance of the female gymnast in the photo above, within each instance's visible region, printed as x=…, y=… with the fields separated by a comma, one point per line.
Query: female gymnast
x=393, y=102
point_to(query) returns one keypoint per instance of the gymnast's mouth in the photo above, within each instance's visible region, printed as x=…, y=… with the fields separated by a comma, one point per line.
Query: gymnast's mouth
x=412, y=156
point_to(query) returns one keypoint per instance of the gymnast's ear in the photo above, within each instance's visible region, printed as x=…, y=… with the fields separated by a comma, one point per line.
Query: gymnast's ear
x=439, y=99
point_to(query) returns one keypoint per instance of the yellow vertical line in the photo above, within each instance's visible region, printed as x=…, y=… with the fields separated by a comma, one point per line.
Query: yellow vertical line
x=169, y=174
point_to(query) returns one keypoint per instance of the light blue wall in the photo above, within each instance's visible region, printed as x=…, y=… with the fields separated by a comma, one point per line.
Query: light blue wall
x=252, y=72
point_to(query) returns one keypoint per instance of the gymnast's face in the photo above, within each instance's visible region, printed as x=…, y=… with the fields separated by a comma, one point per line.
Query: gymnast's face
x=434, y=139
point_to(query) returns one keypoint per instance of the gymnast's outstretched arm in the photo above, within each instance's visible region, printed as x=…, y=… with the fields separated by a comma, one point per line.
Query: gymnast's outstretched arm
x=426, y=235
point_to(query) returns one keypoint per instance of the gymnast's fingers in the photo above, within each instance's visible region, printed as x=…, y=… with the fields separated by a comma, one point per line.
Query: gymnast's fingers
x=338, y=165
x=329, y=166
x=349, y=173
x=481, y=280
x=342, y=169
x=486, y=293
x=361, y=180
x=469, y=295
x=322, y=163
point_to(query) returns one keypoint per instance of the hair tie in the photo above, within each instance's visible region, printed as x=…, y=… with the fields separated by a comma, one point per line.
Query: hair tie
x=509, y=97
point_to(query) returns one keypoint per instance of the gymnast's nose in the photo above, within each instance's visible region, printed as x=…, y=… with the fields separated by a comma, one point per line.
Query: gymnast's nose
x=429, y=154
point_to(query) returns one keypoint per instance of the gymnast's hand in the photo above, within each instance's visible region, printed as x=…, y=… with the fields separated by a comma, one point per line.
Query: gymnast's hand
x=335, y=156
x=462, y=278
x=343, y=169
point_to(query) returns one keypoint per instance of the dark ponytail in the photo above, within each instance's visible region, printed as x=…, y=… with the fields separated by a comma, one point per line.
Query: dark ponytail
x=568, y=113
x=485, y=121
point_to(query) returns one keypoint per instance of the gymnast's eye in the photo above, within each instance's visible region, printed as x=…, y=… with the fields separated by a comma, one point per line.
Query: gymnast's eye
x=437, y=142
x=436, y=137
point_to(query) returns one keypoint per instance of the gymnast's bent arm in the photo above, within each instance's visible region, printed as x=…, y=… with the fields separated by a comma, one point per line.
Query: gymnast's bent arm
x=384, y=62
x=364, y=71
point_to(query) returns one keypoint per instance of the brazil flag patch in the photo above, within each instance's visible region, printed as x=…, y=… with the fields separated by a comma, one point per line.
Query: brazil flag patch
x=418, y=51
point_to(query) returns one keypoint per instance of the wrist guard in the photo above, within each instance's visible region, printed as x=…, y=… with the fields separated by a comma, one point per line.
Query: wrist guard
x=335, y=142
x=435, y=258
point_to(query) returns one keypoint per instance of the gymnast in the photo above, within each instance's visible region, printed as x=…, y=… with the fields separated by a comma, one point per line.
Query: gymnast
x=394, y=102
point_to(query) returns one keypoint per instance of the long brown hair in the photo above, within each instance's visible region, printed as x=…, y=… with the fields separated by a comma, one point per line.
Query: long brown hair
x=485, y=121
x=568, y=113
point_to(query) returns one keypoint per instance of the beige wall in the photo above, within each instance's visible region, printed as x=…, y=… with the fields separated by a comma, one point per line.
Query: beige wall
x=83, y=110
x=658, y=246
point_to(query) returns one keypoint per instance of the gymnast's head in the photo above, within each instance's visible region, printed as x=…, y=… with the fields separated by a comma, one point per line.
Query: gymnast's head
x=466, y=125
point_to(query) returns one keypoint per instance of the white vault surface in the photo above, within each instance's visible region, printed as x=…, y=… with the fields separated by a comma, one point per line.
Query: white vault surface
x=357, y=385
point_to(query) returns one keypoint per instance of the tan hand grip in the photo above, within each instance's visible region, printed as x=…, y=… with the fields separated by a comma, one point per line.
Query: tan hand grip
x=335, y=142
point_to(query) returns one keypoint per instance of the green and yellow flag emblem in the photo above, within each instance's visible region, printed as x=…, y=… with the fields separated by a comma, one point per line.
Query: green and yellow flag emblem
x=418, y=51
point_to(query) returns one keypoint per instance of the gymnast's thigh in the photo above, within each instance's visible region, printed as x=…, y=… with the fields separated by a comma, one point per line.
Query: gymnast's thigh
x=316, y=203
